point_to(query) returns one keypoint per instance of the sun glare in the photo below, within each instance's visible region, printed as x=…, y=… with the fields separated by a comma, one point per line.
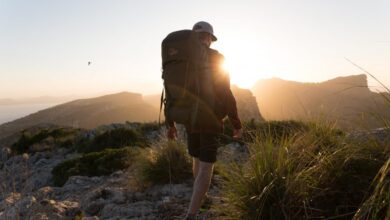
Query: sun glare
x=246, y=63
x=244, y=72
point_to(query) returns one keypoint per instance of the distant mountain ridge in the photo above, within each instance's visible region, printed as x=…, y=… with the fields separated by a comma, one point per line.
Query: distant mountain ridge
x=246, y=103
x=88, y=113
x=115, y=108
x=35, y=100
x=346, y=100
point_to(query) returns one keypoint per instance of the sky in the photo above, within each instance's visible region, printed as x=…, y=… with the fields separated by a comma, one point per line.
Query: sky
x=45, y=45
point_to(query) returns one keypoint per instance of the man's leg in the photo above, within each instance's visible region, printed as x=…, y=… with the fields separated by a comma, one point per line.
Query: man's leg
x=195, y=167
x=201, y=185
x=193, y=141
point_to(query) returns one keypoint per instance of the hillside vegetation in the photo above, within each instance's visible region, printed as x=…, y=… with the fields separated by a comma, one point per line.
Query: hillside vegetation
x=279, y=170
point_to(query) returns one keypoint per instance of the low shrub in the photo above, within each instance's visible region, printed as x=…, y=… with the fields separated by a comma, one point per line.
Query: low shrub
x=145, y=128
x=94, y=164
x=116, y=138
x=275, y=129
x=343, y=178
x=61, y=136
x=166, y=164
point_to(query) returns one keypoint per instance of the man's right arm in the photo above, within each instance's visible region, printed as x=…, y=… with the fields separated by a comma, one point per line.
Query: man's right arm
x=171, y=129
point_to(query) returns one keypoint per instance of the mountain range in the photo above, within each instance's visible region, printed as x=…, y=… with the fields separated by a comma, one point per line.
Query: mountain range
x=346, y=100
x=114, y=108
x=88, y=113
x=35, y=100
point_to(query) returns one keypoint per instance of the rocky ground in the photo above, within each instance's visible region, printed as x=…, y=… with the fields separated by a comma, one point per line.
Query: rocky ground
x=27, y=191
x=108, y=197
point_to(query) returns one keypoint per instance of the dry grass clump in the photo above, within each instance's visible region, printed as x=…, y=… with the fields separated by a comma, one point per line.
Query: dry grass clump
x=167, y=163
x=315, y=173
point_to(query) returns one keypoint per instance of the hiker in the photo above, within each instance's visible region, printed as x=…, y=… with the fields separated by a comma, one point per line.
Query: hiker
x=203, y=135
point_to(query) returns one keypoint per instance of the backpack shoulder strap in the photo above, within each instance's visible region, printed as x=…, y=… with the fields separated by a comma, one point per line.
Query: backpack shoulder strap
x=161, y=105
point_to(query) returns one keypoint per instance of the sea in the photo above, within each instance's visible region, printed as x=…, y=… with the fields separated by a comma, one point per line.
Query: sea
x=11, y=112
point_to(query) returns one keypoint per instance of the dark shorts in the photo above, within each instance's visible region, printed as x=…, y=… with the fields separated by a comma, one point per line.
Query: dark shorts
x=203, y=146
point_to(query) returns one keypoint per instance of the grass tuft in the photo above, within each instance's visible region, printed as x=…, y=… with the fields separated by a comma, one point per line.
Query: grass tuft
x=168, y=163
x=377, y=205
x=312, y=173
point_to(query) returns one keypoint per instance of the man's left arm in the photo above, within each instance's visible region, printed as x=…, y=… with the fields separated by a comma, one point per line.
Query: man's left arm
x=223, y=80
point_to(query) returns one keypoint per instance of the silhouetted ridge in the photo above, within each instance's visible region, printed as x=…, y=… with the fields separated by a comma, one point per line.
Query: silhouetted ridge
x=356, y=84
x=89, y=113
x=346, y=100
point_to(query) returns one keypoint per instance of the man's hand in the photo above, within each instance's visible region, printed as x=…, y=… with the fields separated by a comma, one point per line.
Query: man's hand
x=237, y=133
x=172, y=133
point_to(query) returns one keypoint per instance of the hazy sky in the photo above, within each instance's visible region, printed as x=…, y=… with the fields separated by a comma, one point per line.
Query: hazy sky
x=45, y=45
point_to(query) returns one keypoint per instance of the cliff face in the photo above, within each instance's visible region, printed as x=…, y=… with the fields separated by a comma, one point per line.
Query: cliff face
x=346, y=100
x=355, y=85
x=246, y=104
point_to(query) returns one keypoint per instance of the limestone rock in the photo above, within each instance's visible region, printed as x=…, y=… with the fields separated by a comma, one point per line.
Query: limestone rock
x=34, y=170
x=15, y=206
x=137, y=209
x=246, y=104
x=5, y=154
x=54, y=210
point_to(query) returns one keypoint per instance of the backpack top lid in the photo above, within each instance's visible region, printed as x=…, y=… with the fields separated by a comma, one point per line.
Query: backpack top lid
x=179, y=35
x=183, y=45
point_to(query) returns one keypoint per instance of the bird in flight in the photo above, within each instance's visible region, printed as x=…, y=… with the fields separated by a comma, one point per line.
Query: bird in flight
x=89, y=63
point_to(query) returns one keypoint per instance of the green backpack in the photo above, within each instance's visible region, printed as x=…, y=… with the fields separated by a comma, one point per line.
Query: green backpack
x=186, y=77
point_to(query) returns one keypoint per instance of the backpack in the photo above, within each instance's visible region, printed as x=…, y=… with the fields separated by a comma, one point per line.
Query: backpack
x=185, y=75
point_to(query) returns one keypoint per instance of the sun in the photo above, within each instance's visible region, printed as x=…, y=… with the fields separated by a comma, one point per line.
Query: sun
x=247, y=61
x=243, y=72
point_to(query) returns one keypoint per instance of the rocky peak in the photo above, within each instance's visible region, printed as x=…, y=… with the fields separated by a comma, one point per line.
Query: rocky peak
x=354, y=84
x=118, y=99
x=246, y=104
x=360, y=80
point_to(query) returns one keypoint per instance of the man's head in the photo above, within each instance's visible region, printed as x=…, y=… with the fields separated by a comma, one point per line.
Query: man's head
x=206, y=32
